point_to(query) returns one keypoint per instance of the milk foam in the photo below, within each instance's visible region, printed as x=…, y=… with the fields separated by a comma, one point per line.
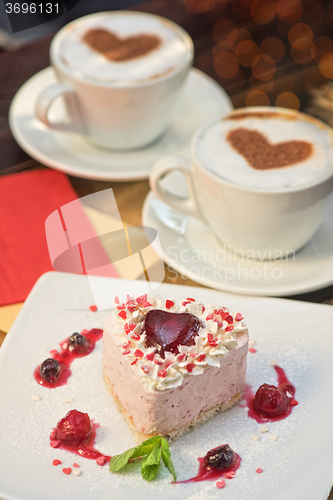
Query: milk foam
x=215, y=153
x=84, y=61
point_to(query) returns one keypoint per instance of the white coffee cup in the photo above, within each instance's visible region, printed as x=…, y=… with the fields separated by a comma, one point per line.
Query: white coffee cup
x=265, y=222
x=115, y=111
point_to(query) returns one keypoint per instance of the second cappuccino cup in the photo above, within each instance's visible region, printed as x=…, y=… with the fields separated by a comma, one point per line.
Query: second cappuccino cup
x=261, y=178
x=120, y=74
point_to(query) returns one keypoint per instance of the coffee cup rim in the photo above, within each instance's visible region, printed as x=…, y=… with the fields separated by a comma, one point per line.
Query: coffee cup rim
x=57, y=62
x=274, y=109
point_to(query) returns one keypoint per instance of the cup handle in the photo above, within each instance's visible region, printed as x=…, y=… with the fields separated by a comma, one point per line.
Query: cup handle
x=165, y=165
x=47, y=98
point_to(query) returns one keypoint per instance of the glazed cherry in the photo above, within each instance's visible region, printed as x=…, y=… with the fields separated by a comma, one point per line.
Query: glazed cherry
x=166, y=330
x=50, y=370
x=74, y=428
x=77, y=342
x=271, y=401
x=221, y=458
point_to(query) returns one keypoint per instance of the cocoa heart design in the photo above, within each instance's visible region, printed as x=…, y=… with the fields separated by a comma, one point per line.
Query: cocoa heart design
x=262, y=155
x=166, y=330
x=120, y=49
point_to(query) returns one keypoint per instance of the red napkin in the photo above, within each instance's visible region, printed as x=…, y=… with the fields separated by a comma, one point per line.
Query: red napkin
x=26, y=200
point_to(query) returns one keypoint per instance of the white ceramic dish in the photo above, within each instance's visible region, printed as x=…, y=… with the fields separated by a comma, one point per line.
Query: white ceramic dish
x=202, y=100
x=298, y=465
x=192, y=250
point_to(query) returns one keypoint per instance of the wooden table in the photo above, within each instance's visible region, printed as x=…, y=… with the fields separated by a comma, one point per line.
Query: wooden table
x=19, y=65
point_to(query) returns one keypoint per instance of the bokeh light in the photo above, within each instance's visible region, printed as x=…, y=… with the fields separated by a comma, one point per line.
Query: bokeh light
x=274, y=47
x=246, y=51
x=326, y=65
x=263, y=11
x=226, y=65
x=222, y=28
x=300, y=36
x=264, y=86
x=257, y=98
x=236, y=36
x=322, y=45
x=289, y=11
x=287, y=100
x=263, y=67
x=284, y=84
x=303, y=56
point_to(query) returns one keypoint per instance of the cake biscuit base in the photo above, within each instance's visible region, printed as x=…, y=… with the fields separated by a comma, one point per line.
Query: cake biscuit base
x=203, y=416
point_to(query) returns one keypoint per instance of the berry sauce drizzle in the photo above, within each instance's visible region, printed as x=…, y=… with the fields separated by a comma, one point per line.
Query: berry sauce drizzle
x=66, y=356
x=285, y=387
x=209, y=473
x=77, y=433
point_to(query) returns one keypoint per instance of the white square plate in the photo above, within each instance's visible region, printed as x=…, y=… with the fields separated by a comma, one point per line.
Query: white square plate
x=299, y=465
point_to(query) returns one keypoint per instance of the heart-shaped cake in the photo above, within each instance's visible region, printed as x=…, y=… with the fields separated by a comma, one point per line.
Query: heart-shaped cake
x=262, y=155
x=166, y=330
x=118, y=49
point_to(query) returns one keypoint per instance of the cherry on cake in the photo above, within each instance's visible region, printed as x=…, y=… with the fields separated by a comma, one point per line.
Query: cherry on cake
x=171, y=367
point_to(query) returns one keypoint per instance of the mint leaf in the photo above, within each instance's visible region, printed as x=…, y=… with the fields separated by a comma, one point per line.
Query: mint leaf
x=145, y=447
x=166, y=457
x=151, y=462
x=119, y=461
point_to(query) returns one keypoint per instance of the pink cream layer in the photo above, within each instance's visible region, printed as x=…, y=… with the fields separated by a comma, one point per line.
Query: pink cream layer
x=160, y=412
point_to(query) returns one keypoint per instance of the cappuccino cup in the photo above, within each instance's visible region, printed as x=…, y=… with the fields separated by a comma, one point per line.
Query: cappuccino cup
x=261, y=178
x=120, y=74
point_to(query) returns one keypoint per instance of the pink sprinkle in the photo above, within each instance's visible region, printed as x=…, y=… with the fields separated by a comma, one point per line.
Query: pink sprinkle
x=101, y=461
x=293, y=402
x=135, y=337
x=56, y=462
x=141, y=299
x=53, y=352
x=252, y=349
x=116, y=299
x=146, y=304
x=135, y=361
x=145, y=368
x=220, y=484
x=75, y=464
x=201, y=357
x=239, y=317
x=122, y=314
x=185, y=302
x=128, y=327
x=190, y=367
x=157, y=362
x=229, y=319
x=93, y=308
x=125, y=345
x=229, y=328
x=67, y=470
x=53, y=434
x=54, y=443
x=229, y=475
x=162, y=373
x=190, y=299
x=210, y=316
x=169, y=304
x=122, y=306
x=259, y=471
x=127, y=351
x=138, y=354
x=210, y=337
x=150, y=356
x=180, y=357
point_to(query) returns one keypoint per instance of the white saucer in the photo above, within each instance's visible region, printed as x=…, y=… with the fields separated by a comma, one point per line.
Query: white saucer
x=190, y=248
x=203, y=100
